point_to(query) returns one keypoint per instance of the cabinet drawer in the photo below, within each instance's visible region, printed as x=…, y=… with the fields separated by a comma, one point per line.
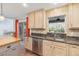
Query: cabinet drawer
x=47, y=43
x=74, y=46
x=73, y=50
x=48, y=50
x=59, y=44
x=58, y=51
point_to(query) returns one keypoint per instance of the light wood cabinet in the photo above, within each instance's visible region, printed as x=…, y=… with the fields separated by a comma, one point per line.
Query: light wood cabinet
x=60, y=11
x=37, y=19
x=31, y=19
x=50, y=13
x=40, y=19
x=48, y=48
x=59, y=51
x=28, y=44
x=73, y=15
x=73, y=50
x=57, y=11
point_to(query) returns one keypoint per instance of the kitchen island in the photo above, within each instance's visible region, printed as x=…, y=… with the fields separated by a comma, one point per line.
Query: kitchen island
x=8, y=46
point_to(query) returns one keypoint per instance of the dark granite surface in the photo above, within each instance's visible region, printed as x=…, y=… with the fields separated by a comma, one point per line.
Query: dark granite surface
x=58, y=37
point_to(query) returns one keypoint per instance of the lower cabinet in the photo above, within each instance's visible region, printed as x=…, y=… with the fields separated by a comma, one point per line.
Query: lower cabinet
x=51, y=48
x=28, y=44
x=73, y=50
x=47, y=48
x=59, y=51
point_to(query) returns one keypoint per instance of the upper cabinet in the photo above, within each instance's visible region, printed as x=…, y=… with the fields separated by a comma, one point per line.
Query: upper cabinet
x=60, y=11
x=73, y=16
x=40, y=19
x=37, y=19
x=57, y=11
x=31, y=19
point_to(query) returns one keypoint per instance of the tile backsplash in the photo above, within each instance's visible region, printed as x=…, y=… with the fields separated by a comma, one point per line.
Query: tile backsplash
x=57, y=27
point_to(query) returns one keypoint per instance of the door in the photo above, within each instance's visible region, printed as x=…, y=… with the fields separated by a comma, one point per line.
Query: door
x=21, y=30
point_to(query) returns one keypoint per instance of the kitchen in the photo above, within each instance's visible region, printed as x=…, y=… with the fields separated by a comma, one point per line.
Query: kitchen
x=43, y=29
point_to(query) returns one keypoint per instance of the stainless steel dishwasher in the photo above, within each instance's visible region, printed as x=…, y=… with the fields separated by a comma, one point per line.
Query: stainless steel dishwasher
x=37, y=45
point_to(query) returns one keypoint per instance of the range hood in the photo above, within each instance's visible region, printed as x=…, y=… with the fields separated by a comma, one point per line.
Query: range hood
x=56, y=19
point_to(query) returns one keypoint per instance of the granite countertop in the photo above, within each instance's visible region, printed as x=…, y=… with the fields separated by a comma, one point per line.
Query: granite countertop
x=59, y=37
x=7, y=40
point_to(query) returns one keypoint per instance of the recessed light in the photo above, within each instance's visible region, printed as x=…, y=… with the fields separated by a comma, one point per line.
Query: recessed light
x=25, y=5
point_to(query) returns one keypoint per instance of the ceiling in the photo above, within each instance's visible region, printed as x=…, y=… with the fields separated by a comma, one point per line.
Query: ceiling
x=13, y=10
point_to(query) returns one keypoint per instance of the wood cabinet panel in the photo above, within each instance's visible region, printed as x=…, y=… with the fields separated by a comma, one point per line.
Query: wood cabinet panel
x=39, y=19
x=48, y=51
x=58, y=44
x=58, y=51
x=31, y=19
x=28, y=44
x=47, y=48
x=73, y=50
x=60, y=11
x=57, y=11
x=73, y=15
x=50, y=13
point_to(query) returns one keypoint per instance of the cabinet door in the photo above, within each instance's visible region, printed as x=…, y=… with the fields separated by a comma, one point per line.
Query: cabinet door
x=48, y=51
x=73, y=50
x=60, y=11
x=73, y=15
x=47, y=48
x=59, y=51
x=50, y=13
x=39, y=19
x=57, y=11
x=28, y=44
x=31, y=19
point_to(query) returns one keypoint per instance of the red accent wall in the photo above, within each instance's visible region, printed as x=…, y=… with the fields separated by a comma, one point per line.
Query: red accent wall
x=27, y=27
x=16, y=28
